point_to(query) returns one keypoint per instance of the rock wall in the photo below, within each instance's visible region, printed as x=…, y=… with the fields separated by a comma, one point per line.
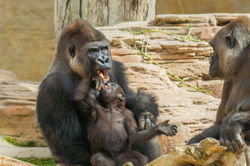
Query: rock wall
x=27, y=37
x=202, y=6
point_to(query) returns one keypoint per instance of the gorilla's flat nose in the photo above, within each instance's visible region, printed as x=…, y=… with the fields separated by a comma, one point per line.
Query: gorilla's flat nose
x=104, y=61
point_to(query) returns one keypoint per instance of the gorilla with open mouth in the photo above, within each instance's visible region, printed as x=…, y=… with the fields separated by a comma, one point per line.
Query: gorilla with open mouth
x=83, y=61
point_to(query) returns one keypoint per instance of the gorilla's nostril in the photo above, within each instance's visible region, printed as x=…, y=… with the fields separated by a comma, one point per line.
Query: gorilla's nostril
x=103, y=60
x=107, y=60
x=100, y=60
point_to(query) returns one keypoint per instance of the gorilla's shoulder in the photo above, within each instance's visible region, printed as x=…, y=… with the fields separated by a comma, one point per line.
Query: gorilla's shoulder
x=117, y=64
x=118, y=73
x=55, y=82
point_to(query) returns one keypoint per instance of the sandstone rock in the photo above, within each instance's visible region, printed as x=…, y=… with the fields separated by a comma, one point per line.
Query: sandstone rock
x=128, y=58
x=17, y=112
x=225, y=18
x=180, y=18
x=204, y=6
x=123, y=51
x=215, y=86
x=190, y=70
x=205, y=153
x=7, y=76
x=14, y=93
x=7, y=161
x=195, y=19
x=191, y=111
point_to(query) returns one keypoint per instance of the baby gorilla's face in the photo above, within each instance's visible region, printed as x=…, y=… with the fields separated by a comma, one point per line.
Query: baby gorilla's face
x=112, y=92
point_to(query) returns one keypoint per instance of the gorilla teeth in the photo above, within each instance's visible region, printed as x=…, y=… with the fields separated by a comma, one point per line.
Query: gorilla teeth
x=100, y=74
x=106, y=75
x=103, y=74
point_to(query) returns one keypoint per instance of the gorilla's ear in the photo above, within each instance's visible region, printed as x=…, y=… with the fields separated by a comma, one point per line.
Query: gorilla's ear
x=72, y=51
x=231, y=40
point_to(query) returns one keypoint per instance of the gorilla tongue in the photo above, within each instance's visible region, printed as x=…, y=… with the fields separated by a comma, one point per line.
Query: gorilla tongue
x=105, y=86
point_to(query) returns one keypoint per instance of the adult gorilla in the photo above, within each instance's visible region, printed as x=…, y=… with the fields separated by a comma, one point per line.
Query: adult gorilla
x=83, y=54
x=231, y=62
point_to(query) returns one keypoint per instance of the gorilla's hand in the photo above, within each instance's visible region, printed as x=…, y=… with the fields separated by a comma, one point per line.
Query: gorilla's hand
x=146, y=120
x=94, y=94
x=167, y=129
x=231, y=135
x=99, y=82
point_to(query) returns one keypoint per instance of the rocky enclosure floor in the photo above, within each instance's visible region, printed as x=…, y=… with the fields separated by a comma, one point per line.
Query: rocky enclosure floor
x=162, y=57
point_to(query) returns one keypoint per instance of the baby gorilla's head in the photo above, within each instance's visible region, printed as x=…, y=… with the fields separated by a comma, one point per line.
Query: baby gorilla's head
x=112, y=93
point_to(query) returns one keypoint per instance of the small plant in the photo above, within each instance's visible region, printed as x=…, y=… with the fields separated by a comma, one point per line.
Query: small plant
x=39, y=162
x=20, y=144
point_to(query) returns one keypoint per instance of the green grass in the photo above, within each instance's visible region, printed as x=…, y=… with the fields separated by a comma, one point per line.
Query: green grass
x=39, y=162
x=20, y=144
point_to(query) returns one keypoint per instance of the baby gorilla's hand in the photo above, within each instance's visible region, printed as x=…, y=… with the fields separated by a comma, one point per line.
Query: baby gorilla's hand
x=94, y=94
x=146, y=120
x=99, y=82
x=167, y=129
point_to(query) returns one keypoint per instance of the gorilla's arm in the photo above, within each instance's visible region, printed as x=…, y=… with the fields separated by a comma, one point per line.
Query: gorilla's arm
x=145, y=135
x=226, y=91
x=59, y=121
x=234, y=125
x=212, y=131
x=141, y=136
x=141, y=104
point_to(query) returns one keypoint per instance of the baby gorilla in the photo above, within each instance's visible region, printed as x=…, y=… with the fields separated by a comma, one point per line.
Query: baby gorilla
x=112, y=131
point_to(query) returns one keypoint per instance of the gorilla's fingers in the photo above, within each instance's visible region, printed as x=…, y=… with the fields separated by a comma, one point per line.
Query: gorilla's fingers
x=164, y=130
x=229, y=145
x=142, y=123
x=236, y=140
x=173, y=133
x=175, y=129
x=240, y=142
x=222, y=142
x=236, y=147
x=148, y=123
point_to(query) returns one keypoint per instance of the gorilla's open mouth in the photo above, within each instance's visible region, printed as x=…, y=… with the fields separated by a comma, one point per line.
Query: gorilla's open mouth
x=103, y=74
x=100, y=78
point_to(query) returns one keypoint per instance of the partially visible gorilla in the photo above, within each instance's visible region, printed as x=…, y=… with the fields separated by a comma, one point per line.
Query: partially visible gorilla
x=83, y=53
x=231, y=62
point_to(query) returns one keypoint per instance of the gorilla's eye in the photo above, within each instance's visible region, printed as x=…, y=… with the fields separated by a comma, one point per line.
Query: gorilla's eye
x=72, y=51
x=105, y=48
x=230, y=41
x=93, y=50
